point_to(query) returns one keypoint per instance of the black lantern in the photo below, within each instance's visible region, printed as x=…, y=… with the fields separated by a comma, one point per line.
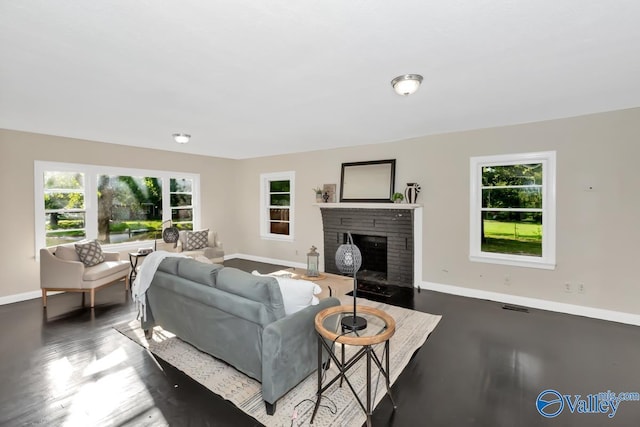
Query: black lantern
x=313, y=261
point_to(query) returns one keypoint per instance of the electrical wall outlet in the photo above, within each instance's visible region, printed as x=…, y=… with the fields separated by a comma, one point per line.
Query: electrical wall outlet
x=580, y=288
x=567, y=287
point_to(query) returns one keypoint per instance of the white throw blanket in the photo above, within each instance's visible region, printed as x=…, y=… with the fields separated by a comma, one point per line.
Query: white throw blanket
x=145, y=276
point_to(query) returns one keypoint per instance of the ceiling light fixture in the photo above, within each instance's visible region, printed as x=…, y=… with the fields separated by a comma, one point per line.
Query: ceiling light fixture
x=181, y=138
x=406, y=84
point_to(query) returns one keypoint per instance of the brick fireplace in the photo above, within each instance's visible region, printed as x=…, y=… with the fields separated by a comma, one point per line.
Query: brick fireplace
x=385, y=234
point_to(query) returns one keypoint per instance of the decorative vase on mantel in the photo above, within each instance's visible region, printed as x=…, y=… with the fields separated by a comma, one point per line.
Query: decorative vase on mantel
x=411, y=192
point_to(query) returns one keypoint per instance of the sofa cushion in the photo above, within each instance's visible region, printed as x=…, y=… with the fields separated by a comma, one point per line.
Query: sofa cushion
x=296, y=294
x=90, y=253
x=199, y=272
x=169, y=265
x=196, y=240
x=256, y=288
x=67, y=252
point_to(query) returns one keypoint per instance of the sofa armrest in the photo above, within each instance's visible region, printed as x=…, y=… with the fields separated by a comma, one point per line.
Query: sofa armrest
x=59, y=273
x=289, y=350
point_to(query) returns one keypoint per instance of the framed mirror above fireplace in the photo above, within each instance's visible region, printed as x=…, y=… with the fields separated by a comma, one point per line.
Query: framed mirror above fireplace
x=368, y=182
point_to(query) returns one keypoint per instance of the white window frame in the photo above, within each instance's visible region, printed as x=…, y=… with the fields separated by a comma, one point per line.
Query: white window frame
x=265, y=179
x=548, y=259
x=91, y=198
x=172, y=208
x=84, y=196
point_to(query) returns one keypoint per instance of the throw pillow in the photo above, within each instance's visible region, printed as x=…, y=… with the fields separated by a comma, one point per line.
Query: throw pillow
x=90, y=253
x=196, y=240
x=296, y=294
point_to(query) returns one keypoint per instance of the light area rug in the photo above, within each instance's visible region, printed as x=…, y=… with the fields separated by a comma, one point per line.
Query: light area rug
x=338, y=406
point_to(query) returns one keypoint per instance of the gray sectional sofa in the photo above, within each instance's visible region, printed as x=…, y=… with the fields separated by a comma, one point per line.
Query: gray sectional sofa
x=236, y=317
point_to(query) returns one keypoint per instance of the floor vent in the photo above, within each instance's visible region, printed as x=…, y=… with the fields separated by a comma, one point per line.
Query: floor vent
x=515, y=308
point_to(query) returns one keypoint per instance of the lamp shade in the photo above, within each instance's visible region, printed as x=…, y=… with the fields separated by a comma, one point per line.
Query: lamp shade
x=406, y=84
x=170, y=235
x=348, y=259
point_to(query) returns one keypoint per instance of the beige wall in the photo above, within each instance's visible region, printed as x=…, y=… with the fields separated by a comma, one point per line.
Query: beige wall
x=598, y=233
x=18, y=150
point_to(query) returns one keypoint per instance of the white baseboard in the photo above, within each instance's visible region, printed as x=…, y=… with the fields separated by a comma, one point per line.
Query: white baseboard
x=578, y=310
x=10, y=299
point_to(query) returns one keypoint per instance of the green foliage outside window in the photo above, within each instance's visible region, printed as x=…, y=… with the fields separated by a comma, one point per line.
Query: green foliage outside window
x=511, y=209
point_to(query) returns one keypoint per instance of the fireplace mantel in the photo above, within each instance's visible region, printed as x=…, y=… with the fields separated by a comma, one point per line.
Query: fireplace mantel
x=367, y=205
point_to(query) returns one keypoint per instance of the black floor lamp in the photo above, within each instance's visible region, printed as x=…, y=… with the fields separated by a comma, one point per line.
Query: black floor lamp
x=349, y=261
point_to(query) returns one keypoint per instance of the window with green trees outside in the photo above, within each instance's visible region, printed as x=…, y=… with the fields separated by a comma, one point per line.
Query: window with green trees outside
x=513, y=209
x=113, y=205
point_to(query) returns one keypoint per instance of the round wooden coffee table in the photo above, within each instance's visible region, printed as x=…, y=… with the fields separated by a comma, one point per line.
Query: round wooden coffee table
x=380, y=328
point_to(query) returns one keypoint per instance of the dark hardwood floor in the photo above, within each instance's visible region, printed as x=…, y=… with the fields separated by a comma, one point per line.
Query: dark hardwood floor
x=482, y=366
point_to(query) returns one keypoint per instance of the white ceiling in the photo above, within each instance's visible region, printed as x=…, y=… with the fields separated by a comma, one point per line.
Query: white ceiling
x=251, y=78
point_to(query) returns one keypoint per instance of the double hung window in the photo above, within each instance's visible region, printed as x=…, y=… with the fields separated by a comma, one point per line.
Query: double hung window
x=513, y=209
x=64, y=206
x=277, y=207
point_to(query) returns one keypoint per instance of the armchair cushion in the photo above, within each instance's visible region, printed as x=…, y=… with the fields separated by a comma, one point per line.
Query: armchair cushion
x=90, y=253
x=103, y=270
x=67, y=252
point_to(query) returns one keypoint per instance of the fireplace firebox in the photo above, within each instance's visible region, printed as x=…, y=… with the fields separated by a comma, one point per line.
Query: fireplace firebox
x=374, y=257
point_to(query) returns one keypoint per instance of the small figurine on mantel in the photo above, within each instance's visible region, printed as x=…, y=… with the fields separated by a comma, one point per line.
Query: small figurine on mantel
x=325, y=197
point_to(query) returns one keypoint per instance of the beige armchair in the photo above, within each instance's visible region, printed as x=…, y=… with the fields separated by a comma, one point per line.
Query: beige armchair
x=213, y=250
x=62, y=270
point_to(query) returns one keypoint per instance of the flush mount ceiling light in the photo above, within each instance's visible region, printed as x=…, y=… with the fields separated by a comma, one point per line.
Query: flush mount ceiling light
x=406, y=84
x=181, y=138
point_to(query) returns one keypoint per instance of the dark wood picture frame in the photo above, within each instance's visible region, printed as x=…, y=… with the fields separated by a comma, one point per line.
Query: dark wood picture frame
x=368, y=182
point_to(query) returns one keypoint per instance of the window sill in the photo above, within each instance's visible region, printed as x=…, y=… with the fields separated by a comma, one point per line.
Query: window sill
x=276, y=237
x=529, y=262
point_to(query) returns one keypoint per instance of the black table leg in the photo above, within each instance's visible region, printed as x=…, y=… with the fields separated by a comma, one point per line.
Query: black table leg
x=386, y=350
x=319, y=393
x=369, y=385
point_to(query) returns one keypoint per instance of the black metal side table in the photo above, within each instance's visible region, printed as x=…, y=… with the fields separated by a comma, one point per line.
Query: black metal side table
x=380, y=329
x=133, y=260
